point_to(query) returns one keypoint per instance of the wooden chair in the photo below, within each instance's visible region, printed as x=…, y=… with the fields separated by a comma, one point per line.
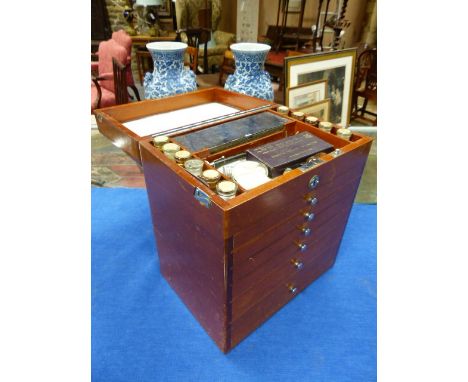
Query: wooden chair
x=194, y=38
x=102, y=86
x=227, y=67
x=365, y=82
x=120, y=94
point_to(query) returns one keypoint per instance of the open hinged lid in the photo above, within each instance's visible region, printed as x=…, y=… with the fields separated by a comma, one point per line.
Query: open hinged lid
x=126, y=125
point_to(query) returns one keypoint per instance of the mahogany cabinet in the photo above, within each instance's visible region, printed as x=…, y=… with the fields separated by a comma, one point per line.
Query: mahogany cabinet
x=235, y=262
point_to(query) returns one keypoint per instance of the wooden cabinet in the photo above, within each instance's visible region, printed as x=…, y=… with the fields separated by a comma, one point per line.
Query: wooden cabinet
x=236, y=262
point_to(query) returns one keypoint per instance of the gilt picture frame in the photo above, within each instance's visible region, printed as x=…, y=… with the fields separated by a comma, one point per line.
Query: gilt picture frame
x=165, y=10
x=337, y=67
x=320, y=109
x=307, y=94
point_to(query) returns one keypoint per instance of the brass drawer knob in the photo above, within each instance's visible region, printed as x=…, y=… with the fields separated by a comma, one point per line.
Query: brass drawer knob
x=297, y=264
x=309, y=216
x=292, y=289
x=306, y=231
x=302, y=246
x=314, y=182
x=312, y=200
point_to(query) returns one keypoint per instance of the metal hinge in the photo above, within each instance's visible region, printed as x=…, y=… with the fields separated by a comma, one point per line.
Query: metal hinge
x=202, y=197
x=311, y=163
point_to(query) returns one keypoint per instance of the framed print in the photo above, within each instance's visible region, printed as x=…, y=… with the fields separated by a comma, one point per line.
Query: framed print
x=320, y=109
x=307, y=94
x=164, y=9
x=294, y=6
x=337, y=67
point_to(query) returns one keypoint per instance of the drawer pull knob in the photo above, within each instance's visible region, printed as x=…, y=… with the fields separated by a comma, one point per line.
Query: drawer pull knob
x=312, y=201
x=292, y=289
x=309, y=216
x=306, y=231
x=302, y=246
x=314, y=182
x=298, y=264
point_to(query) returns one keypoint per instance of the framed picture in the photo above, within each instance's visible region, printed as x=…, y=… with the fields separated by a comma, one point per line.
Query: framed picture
x=294, y=6
x=307, y=94
x=320, y=109
x=337, y=67
x=165, y=9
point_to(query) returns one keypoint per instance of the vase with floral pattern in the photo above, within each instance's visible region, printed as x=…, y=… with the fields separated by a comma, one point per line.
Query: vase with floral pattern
x=249, y=76
x=169, y=76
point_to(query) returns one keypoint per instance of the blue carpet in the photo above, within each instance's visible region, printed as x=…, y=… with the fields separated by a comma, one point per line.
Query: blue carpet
x=141, y=331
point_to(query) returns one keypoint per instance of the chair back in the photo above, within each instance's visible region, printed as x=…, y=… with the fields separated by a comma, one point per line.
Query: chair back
x=107, y=51
x=195, y=37
x=366, y=70
x=124, y=39
x=192, y=54
x=120, y=82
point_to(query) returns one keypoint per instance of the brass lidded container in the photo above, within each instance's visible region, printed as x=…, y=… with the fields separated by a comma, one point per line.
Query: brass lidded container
x=326, y=126
x=299, y=115
x=311, y=120
x=181, y=156
x=283, y=110
x=226, y=189
x=211, y=177
x=160, y=141
x=344, y=133
x=170, y=149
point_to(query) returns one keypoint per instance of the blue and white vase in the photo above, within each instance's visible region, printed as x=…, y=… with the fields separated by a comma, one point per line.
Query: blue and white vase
x=169, y=76
x=250, y=77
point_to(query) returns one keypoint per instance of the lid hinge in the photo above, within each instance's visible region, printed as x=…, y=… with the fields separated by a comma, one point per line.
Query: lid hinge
x=202, y=197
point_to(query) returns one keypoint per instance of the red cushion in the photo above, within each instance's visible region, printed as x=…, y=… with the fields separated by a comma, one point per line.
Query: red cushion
x=107, y=50
x=125, y=40
x=107, y=97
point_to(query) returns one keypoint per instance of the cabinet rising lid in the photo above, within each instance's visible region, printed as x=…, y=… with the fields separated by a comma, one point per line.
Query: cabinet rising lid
x=228, y=134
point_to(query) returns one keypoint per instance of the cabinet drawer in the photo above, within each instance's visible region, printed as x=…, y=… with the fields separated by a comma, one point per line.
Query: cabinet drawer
x=284, y=274
x=249, y=260
x=255, y=215
x=325, y=197
x=261, y=265
x=245, y=323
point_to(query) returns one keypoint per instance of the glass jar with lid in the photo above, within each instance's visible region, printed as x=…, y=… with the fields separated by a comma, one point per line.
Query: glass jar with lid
x=181, y=156
x=226, y=189
x=326, y=126
x=160, y=141
x=211, y=177
x=170, y=149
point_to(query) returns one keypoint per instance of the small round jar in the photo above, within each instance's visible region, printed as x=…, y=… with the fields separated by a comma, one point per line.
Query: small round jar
x=344, y=133
x=299, y=115
x=226, y=189
x=326, y=126
x=170, y=149
x=181, y=156
x=283, y=110
x=311, y=120
x=211, y=177
x=194, y=166
x=160, y=141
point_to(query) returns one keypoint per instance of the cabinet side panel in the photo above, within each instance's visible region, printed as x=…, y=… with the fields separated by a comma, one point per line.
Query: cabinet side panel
x=189, y=238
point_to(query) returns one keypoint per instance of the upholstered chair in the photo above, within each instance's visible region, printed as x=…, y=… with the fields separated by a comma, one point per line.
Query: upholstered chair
x=103, y=84
x=124, y=39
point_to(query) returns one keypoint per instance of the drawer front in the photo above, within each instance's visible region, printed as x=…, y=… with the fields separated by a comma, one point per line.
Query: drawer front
x=284, y=273
x=285, y=255
x=256, y=215
x=243, y=324
x=297, y=223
